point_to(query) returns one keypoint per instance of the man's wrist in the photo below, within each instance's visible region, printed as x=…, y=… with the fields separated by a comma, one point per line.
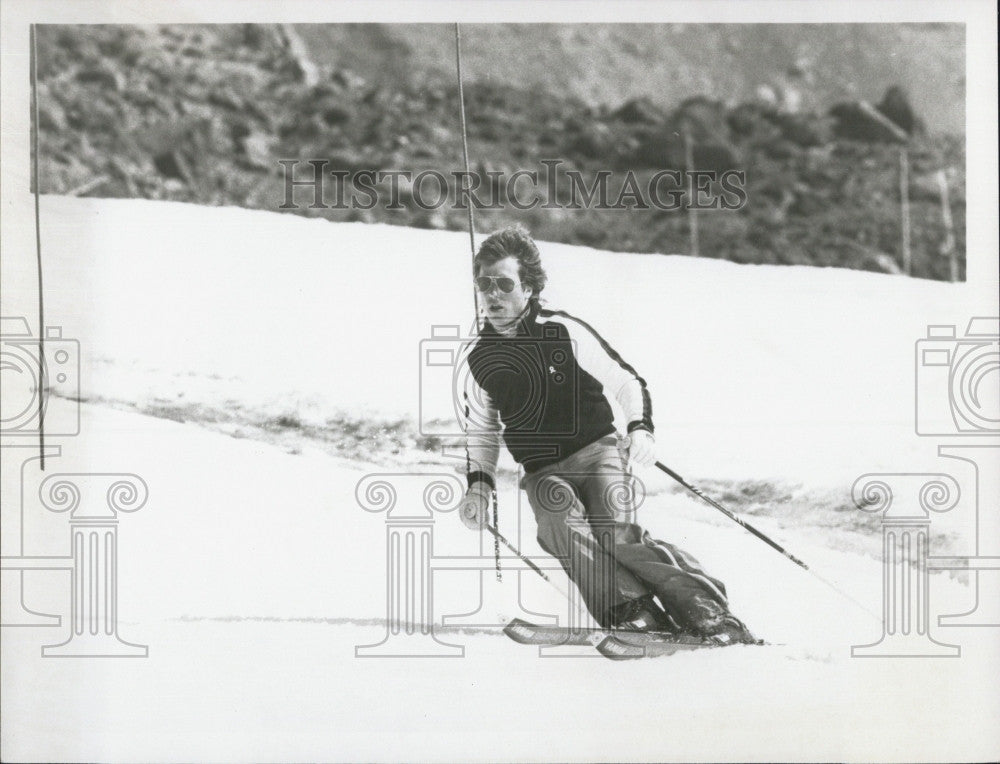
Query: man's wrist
x=483, y=478
x=639, y=424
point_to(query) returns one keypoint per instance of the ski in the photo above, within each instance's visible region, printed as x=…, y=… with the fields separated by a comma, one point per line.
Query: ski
x=527, y=633
x=619, y=647
x=612, y=644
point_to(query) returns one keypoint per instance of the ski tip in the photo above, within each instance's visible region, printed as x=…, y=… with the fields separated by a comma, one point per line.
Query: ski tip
x=520, y=631
x=613, y=648
x=625, y=649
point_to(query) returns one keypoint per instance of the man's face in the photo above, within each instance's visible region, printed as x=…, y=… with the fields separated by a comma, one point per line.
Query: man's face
x=502, y=308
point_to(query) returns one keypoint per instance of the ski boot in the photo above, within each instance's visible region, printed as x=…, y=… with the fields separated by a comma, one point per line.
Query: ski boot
x=713, y=622
x=641, y=614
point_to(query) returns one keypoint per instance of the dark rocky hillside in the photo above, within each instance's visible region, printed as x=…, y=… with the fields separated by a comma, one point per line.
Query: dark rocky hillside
x=204, y=114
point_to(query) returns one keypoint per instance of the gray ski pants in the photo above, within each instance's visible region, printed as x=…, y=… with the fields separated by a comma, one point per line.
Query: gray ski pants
x=583, y=505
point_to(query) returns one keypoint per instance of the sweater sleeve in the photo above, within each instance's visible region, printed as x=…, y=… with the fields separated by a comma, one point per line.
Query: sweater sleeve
x=595, y=356
x=482, y=434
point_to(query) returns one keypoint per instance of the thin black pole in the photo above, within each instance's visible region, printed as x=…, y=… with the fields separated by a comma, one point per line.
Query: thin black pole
x=466, y=182
x=501, y=540
x=465, y=154
x=33, y=55
x=496, y=539
x=697, y=492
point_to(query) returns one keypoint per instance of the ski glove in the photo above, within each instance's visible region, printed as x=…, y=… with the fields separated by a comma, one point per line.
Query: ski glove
x=474, y=511
x=642, y=448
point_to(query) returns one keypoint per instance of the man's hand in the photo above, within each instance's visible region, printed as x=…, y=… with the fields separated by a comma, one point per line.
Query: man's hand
x=474, y=510
x=642, y=448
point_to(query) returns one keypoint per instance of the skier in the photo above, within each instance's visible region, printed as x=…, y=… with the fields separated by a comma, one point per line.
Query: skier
x=541, y=381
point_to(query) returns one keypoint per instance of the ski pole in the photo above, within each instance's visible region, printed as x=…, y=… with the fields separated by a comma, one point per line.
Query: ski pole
x=697, y=492
x=500, y=538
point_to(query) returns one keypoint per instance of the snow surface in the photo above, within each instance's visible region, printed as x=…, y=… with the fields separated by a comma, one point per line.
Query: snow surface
x=252, y=573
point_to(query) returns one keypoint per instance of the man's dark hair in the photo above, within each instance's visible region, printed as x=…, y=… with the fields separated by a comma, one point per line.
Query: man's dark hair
x=514, y=241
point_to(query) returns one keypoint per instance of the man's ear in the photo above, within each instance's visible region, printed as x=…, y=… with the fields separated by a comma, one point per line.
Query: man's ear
x=528, y=291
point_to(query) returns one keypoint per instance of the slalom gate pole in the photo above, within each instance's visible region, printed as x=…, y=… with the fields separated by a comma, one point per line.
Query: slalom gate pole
x=466, y=182
x=465, y=154
x=36, y=127
x=742, y=523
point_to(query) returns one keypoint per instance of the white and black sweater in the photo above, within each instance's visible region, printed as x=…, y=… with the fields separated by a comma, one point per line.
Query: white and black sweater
x=545, y=390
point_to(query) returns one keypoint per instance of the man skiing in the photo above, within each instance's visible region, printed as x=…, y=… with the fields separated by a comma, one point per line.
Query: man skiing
x=542, y=381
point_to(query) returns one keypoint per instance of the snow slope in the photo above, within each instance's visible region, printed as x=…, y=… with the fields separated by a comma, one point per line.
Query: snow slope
x=252, y=573
x=754, y=370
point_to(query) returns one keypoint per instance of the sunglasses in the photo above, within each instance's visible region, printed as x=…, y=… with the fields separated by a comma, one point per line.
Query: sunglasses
x=504, y=284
